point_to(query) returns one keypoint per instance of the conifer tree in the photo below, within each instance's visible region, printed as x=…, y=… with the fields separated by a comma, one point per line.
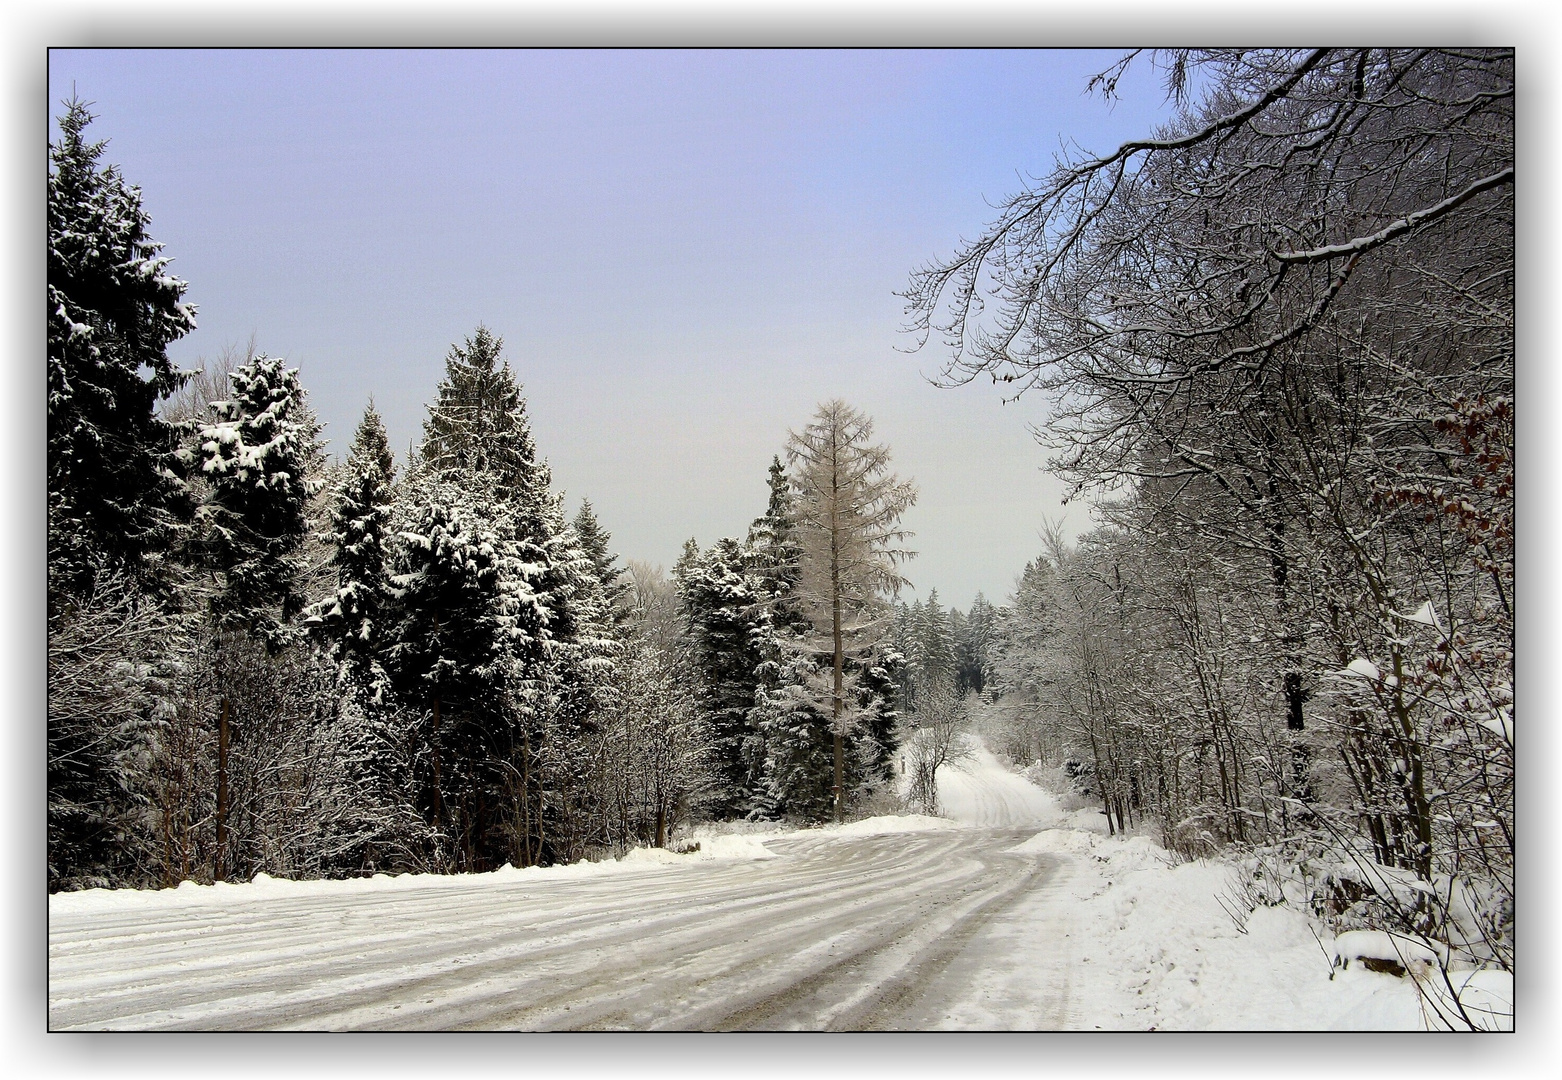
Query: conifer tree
x=353, y=620
x=113, y=309
x=258, y=455
x=777, y=629
x=721, y=604
x=935, y=652
x=114, y=504
x=464, y=616
x=526, y=756
x=478, y=422
x=791, y=717
x=595, y=543
x=973, y=640
x=848, y=513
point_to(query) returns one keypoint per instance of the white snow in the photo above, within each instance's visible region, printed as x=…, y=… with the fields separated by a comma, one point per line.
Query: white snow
x=1363, y=668
x=1009, y=913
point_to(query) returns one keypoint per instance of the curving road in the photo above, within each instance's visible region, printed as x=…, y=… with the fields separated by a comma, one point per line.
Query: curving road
x=839, y=931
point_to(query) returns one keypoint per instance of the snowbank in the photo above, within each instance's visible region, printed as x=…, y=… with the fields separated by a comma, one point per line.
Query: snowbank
x=713, y=845
x=1155, y=944
x=265, y=887
x=889, y=823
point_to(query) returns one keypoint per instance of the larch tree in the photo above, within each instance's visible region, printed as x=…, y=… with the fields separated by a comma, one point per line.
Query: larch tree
x=847, y=512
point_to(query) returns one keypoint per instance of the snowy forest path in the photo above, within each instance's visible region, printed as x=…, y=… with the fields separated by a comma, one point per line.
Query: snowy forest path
x=841, y=930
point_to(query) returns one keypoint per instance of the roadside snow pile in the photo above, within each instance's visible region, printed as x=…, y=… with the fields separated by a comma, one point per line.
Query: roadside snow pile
x=710, y=847
x=1156, y=945
x=889, y=823
x=265, y=887
x=1057, y=841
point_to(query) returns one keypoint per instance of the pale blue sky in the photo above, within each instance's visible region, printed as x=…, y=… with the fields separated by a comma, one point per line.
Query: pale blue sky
x=684, y=252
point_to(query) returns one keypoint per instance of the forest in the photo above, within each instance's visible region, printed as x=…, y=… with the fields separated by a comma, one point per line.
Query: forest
x=1277, y=344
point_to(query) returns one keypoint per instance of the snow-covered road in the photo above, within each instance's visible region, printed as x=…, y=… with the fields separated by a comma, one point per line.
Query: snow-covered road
x=1011, y=915
x=854, y=928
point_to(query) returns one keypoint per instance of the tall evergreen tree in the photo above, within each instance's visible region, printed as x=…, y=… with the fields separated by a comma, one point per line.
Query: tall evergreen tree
x=113, y=309
x=777, y=631
x=478, y=422
x=258, y=455
x=595, y=543
x=115, y=505
x=352, y=620
x=973, y=639
x=465, y=614
x=722, y=604
x=532, y=717
x=935, y=647
x=377, y=822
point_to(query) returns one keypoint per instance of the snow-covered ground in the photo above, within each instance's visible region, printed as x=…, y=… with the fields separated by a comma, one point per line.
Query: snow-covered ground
x=1009, y=913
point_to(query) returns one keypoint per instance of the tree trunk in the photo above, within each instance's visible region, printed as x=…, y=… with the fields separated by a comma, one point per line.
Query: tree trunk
x=219, y=869
x=439, y=791
x=836, y=702
x=526, y=799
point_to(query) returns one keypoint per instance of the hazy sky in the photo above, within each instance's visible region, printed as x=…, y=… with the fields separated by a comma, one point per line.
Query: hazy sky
x=683, y=251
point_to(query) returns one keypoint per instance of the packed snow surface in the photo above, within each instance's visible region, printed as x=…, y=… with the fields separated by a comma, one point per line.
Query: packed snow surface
x=1007, y=913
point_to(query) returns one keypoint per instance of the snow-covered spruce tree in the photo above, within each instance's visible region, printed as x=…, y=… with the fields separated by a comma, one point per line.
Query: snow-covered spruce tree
x=352, y=621
x=779, y=779
x=375, y=827
x=465, y=617
x=791, y=720
x=847, y=512
x=115, y=508
x=973, y=634
x=526, y=720
x=257, y=457
x=114, y=497
x=586, y=644
x=934, y=659
x=722, y=606
x=595, y=542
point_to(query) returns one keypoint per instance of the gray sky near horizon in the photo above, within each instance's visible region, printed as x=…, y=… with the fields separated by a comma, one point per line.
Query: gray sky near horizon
x=684, y=252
